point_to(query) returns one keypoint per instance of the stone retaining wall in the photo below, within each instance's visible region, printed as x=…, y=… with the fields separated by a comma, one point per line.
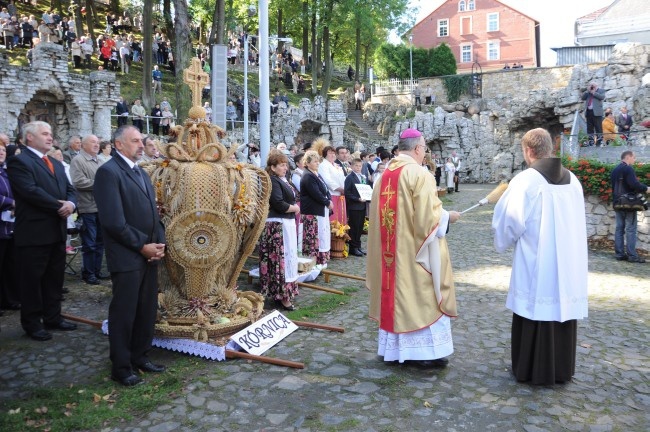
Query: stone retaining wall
x=601, y=222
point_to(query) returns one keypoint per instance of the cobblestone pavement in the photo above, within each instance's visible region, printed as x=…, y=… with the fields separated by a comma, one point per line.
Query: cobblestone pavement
x=346, y=387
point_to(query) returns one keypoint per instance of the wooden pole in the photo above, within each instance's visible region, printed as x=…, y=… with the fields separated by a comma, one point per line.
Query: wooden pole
x=97, y=324
x=329, y=273
x=308, y=285
x=319, y=326
x=270, y=360
x=320, y=288
x=229, y=353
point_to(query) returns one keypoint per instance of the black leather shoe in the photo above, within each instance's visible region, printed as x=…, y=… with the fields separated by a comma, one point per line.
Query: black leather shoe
x=102, y=275
x=11, y=306
x=149, y=367
x=636, y=260
x=91, y=280
x=356, y=252
x=63, y=325
x=427, y=364
x=130, y=381
x=40, y=335
x=64, y=290
x=362, y=251
x=621, y=258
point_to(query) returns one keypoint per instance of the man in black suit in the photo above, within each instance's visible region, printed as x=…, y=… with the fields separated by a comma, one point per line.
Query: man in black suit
x=122, y=110
x=44, y=200
x=342, y=155
x=134, y=242
x=356, y=207
x=624, y=122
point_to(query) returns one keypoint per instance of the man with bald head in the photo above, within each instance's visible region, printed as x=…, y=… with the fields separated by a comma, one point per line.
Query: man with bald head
x=82, y=171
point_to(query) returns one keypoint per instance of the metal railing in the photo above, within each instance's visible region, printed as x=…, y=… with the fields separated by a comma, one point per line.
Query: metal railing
x=394, y=86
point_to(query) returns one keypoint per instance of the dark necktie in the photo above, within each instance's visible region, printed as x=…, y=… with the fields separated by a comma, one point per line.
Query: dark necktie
x=138, y=175
x=48, y=162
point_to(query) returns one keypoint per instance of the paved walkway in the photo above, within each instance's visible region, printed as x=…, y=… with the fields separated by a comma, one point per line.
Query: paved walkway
x=345, y=387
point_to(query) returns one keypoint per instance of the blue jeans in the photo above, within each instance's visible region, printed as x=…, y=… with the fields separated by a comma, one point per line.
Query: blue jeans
x=92, y=245
x=625, y=233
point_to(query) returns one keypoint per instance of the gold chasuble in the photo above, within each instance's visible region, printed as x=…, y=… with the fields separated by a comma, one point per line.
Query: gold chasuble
x=408, y=271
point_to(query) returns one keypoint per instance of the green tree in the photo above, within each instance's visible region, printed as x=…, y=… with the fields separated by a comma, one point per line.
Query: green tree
x=444, y=61
x=182, y=57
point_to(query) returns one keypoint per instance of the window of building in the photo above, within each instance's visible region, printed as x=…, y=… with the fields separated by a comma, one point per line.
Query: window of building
x=470, y=5
x=493, y=22
x=466, y=53
x=443, y=27
x=465, y=25
x=493, y=50
x=461, y=6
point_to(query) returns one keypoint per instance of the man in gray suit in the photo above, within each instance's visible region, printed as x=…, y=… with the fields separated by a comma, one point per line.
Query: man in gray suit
x=593, y=98
x=134, y=241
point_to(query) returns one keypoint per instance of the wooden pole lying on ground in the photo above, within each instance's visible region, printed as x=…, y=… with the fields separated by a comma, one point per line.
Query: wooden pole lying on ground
x=264, y=359
x=318, y=326
x=229, y=353
x=308, y=285
x=329, y=273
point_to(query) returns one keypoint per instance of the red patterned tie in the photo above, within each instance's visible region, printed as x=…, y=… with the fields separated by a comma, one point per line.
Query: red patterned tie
x=48, y=162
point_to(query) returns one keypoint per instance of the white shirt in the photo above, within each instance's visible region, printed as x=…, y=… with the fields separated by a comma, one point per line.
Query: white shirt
x=333, y=176
x=546, y=224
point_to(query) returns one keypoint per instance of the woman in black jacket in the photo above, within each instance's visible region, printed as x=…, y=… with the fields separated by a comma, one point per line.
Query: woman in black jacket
x=156, y=117
x=315, y=203
x=278, y=246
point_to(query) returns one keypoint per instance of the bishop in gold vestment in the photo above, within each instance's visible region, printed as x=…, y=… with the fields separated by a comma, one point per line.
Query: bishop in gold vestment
x=408, y=271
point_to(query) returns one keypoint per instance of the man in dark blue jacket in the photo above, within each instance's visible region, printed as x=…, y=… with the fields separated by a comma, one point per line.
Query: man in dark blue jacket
x=626, y=220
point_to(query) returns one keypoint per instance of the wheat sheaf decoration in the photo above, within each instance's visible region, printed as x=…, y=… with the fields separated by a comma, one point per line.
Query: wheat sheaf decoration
x=214, y=211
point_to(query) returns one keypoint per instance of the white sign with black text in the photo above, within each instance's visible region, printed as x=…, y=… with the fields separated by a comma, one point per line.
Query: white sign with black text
x=264, y=333
x=365, y=191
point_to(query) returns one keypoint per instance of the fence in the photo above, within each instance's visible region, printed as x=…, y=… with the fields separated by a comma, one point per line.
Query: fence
x=394, y=86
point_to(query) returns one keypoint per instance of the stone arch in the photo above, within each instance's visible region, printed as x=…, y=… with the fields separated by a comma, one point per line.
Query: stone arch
x=51, y=100
x=308, y=131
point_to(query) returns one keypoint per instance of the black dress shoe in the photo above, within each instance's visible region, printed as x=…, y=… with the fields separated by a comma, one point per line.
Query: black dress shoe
x=129, y=381
x=636, y=260
x=91, y=280
x=102, y=275
x=63, y=325
x=621, y=258
x=427, y=364
x=356, y=252
x=40, y=335
x=362, y=251
x=11, y=306
x=65, y=290
x=149, y=367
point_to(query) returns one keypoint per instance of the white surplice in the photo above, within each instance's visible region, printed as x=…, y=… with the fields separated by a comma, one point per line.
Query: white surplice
x=546, y=224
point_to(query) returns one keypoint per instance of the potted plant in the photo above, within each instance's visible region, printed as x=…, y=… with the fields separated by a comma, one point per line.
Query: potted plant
x=338, y=247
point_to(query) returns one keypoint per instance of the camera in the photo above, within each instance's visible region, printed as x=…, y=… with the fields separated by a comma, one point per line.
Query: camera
x=592, y=87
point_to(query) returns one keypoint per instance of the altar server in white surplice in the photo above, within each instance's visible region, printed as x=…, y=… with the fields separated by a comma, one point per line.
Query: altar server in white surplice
x=542, y=214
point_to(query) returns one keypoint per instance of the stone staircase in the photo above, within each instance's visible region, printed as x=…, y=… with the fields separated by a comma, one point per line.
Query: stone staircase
x=374, y=139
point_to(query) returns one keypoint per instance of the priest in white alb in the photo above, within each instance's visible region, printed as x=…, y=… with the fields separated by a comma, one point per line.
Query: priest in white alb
x=542, y=214
x=408, y=271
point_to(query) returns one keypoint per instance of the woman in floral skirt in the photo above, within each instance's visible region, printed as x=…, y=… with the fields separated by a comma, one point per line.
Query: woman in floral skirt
x=315, y=200
x=278, y=243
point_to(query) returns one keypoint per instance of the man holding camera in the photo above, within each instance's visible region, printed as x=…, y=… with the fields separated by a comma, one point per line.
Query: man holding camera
x=593, y=98
x=624, y=181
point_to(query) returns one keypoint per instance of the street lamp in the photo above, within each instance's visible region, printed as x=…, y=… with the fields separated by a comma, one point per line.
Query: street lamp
x=411, y=57
x=252, y=11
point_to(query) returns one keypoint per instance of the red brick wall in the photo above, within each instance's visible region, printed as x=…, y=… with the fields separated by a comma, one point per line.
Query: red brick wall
x=516, y=34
